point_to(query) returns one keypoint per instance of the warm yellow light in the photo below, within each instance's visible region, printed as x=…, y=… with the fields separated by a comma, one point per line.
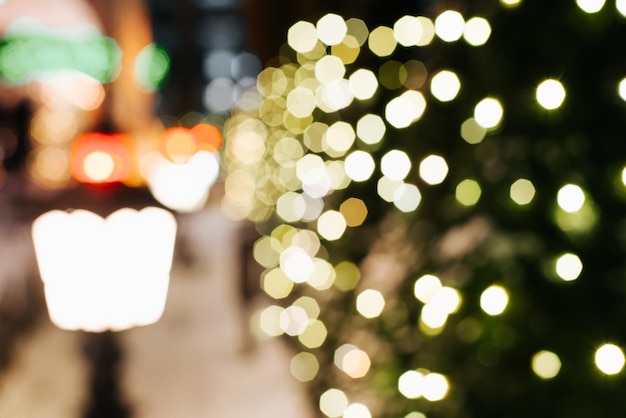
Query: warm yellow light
x=522, y=191
x=276, y=284
x=609, y=359
x=468, y=192
x=550, y=94
x=331, y=225
x=354, y=210
x=510, y=3
x=494, y=300
x=302, y=36
x=329, y=68
x=382, y=41
x=99, y=165
x=546, y=364
x=314, y=335
x=472, y=132
x=269, y=320
x=304, y=366
x=428, y=31
x=568, y=267
x=333, y=403
x=301, y=102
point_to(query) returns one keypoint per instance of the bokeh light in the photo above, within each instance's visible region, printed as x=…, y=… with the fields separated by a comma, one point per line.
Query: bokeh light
x=550, y=94
x=395, y=165
x=433, y=169
x=494, y=300
x=609, y=359
x=331, y=29
x=546, y=364
x=450, y=25
x=468, y=192
x=445, y=85
x=590, y=6
x=522, y=191
x=488, y=113
x=571, y=198
x=568, y=267
x=333, y=403
x=477, y=31
x=370, y=303
x=382, y=41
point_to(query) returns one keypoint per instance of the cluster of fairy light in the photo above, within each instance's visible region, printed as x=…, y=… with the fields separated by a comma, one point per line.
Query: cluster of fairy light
x=284, y=156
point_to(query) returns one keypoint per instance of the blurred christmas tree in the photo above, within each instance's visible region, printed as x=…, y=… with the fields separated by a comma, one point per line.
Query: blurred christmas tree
x=440, y=199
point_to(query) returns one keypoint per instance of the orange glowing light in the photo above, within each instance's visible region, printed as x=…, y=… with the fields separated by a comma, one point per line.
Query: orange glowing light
x=208, y=137
x=179, y=144
x=102, y=158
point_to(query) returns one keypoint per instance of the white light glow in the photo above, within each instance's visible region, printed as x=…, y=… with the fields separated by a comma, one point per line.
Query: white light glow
x=449, y=26
x=477, y=31
x=546, y=364
x=445, y=85
x=105, y=274
x=435, y=387
x=357, y=410
x=331, y=29
x=494, y=300
x=590, y=6
x=359, y=165
x=488, y=113
x=568, y=267
x=395, y=164
x=410, y=384
x=433, y=169
x=296, y=264
x=550, y=94
x=609, y=359
x=570, y=198
x=182, y=187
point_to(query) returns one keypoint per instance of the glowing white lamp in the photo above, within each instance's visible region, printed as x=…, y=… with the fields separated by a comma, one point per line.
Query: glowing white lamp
x=183, y=187
x=105, y=274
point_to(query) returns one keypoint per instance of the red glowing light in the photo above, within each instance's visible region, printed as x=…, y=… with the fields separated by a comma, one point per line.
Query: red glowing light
x=102, y=158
